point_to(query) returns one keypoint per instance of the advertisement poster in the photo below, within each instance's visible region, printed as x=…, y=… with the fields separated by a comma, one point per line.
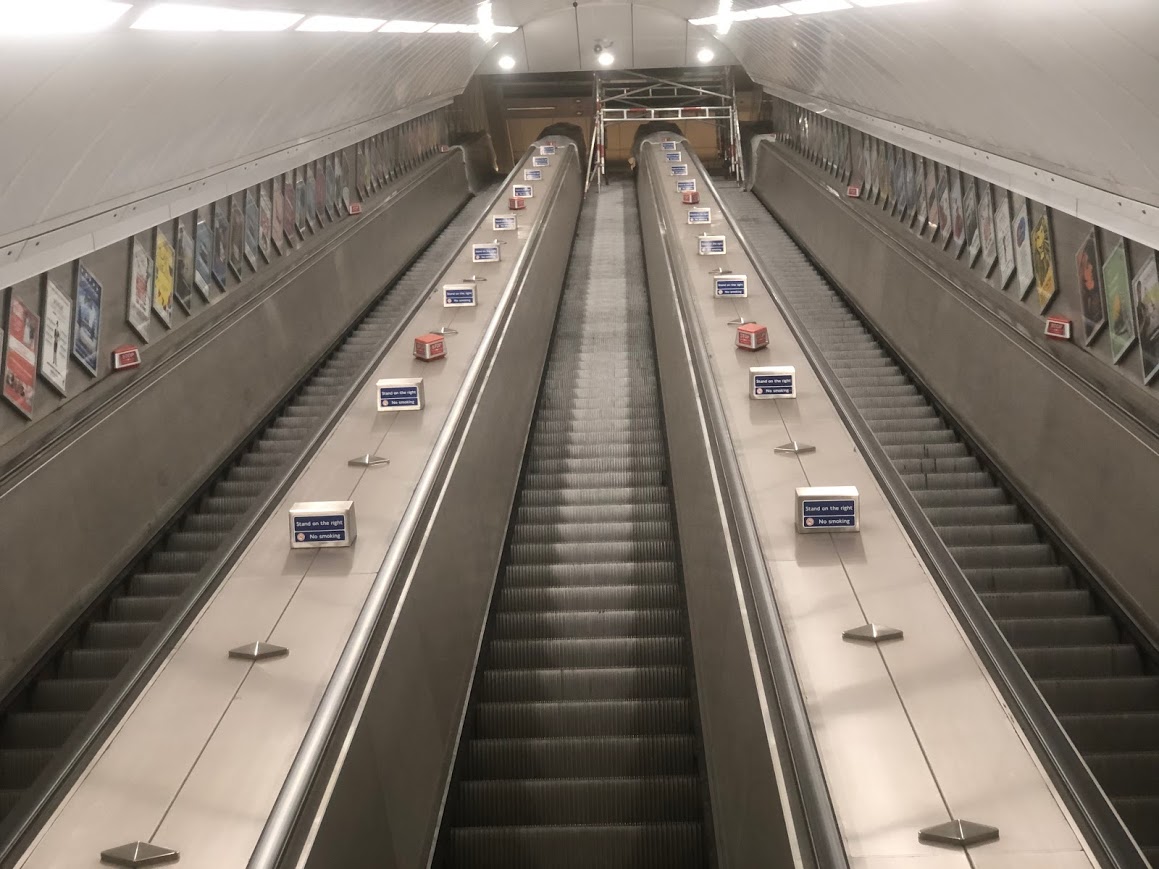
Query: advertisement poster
x=888, y=166
x=183, y=288
x=163, y=279
x=944, y=205
x=203, y=258
x=330, y=188
x=986, y=228
x=1086, y=262
x=867, y=167
x=311, y=196
x=279, y=218
x=871, y=174
x=909, y=201
x=54, y=343
x=252, y=228
x=220, y=243
x=1117, y=286
x=970, y=213
x=289, y=210
x=1145, y=293
x=1042, y=253
x=1020, y=229
x=343, y=181
x=919, y=194
x=957, y=218
x=932, y=199
x=1004, y=237
x=23, y=337
x=265, y=221
x=140, y=289
x=236, y=236
x=86, y=328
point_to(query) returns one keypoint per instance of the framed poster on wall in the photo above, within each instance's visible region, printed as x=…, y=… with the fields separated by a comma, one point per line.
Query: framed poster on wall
x=329, y=188
x=919, y=194
x=220, y=242
x=277, y=225
x=140, y=289
x=252, y=228
x=957, y=218
x=289, y=209
x=1117, y=286
x=1004, y=237
x=970, y=214
x=21, y=339
x=932, y=199
x=1145, y=295
x=203, y=258
x=311, y=197
x=986, y=228
x=86, y=324
x=183, y=286
x=945, y=227
x=1023, y=260
x=265, y=221
x=1090, y=276
x=163, y=278
x=343, y=179
x=236, y=236
x=1042, y=252
x=54, y=341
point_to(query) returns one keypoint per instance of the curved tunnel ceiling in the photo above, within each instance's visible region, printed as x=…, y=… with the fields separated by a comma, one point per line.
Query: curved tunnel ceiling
x=88, y=124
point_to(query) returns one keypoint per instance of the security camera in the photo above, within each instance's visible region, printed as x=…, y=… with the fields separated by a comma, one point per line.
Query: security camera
x=602, y=45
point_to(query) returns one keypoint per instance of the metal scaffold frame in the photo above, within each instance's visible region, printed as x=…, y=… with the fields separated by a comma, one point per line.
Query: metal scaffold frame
x=626, y=96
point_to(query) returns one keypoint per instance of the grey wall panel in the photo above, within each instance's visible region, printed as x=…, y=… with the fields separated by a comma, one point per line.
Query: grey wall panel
x=70, y=524
x=386, y=800
x=1086, y=466
x=746, y=805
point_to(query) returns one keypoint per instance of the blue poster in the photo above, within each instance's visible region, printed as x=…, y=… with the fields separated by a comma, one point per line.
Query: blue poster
x=86, y=331
x=203, y=259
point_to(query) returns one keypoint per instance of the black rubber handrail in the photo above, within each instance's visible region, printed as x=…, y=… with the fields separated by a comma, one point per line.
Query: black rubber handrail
x=1108, y=838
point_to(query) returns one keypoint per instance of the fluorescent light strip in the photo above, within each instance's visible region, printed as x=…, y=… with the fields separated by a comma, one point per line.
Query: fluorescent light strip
x=811, y=7
x=723, y=16
x=883, y=2
x=486, y=21
x=48, y=17
x=178, y=16
x=406, y=27
x=454, y=28
x=338, y=24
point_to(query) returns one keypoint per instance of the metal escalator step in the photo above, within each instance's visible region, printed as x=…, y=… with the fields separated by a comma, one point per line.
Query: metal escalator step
x=924, y=428
x=1081, y=661
x=160, y=584
x=949, y=482
x=194, y=541
x=589, y=551
x=209, y=523
x=583, y=718
x=117, y=635
x=581, y=532
x=1040, y=554
x=1072, y=631
x=587, y=497
x=1122, y=694
x=1126, y=773
x=619, y=683
x=610, y=652
x=138, y=608
x=626, y=846
x=587, y=449
x=604, y=573
x=578, y=598
x=37, y=730
x=894, y=438
x=921, y=450
x=20, y=767
x=966, y=464
x=652, y=799
x=1141, y=815
x=1021, y=578
x=603, y=464
x=1046, y=602
x=960, y=498
x=93, y=663
x=251, y=474
x=576, y=757
x=527, y=515
x=1108, y=732
x=66, y=695
x=986, y=514
x=166, y=561
x=593, y=623
x=888, y=410
x=226, y=504
x=981, y=535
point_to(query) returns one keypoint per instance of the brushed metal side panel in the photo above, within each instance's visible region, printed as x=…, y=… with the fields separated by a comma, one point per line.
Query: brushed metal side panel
x=1090, y=473
x=69, y=526
x=747, y=812
x=385, y=805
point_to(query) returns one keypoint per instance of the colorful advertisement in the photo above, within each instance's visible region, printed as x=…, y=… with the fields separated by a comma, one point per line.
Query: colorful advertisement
x=54, y=342
x=1042, y=253
x=265, y=221
x=23, y=337
x=1094, y=304
x=86, y=328
x=1004, y=237
x=1117, y=286
x=944, y=206
x=1145, y=293
x=970, y=214
x=220, y=244
x=932, y=198
x=140, y=289
x=957, y=218
x=183, y=288
x=986, y=228
x=1023, y=259
x=277, y=226
x=252, y=229
x=203, y=258
x=163, y=279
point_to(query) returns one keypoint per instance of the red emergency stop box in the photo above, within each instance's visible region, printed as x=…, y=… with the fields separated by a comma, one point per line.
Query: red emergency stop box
x=430, y=346
x=690, y=197
x=752, y=336
x=516, y=203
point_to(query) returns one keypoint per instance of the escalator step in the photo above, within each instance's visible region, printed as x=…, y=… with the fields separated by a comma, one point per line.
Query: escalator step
x=576, y=532
x=614, y=652
x=20, y=767
x=576, y=757
x=1109, y=732
x=93, y=663
x=1066, y=631
x=999, y=535
x=138, y=608
x=1028, y=578
x=1126, y=773
x=1038, y=554
x=160, y=584
x=66, y=695
x=36, y=730
x=585, y=514
x=626, y=846
x=1126, y=694
x=1049, y=603
x=117, y=635
x=593, y=623
x=622, y=683
x=654, y=799
x=575, y=598
x=583, y=718
x=1081, y=662
x=603, y=573
x=613, y=551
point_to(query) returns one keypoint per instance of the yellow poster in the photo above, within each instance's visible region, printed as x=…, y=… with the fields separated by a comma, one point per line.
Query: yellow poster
x=163, y=280
x=1042, y=255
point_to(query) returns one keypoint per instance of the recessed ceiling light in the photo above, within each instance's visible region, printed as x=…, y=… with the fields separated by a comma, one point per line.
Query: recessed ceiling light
x=338, y=24
x=179, y=16
x=705, y=55
x=45, y=17
x=809, y=7
x=406, y=27
x=606, y=58
x=507, y=62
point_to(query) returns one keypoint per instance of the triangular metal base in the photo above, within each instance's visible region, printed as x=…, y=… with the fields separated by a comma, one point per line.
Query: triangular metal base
x=739, y=321
x=474, y=279
x=368, y=461
x=871, y=633
x=259, y=651
x=136, y=854
x=444, y=330
x=958, y=832
x=794, y=448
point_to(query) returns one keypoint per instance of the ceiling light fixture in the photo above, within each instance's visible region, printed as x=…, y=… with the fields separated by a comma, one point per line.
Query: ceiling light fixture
x=705, y=55
x=606, y=58
x=883, y=2
x=723, y=17
x=47, y=17
x=811, y=7
x=453, y=28
x=338, y=24
x=507, y=62
x=486, y=21
x=406, y=27
x=179, y=16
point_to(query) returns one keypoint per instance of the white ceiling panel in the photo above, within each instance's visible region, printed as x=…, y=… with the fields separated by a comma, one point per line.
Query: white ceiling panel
x=656, y=35
x=605, y=23
x=552, y=43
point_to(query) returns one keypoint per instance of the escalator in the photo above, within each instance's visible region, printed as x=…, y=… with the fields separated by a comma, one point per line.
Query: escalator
x=1094, y=677
x=580, y=747
x=53, y=705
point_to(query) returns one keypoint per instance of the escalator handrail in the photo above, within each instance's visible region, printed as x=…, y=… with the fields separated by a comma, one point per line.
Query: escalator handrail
x=824, y=833
x=279, y=828
x=1103, y=829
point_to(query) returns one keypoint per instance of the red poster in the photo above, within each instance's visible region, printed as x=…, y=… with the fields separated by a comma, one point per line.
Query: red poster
x=20, y=356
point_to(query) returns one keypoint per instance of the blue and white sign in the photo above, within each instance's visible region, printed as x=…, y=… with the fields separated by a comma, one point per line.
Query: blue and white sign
x=399, y=393
x=828, y=508
x=532, y=174
x=688, y=186
x=710, y=245
x=700, y=215
x=673, y=156
x=504, y=222
x=322, y=524
x=541, y=162
x=730, y=286
x=773, y=381
x=522, y=191
x=458, y=295
x=678, y=168
x=485, y=253
x=547, y=150
x=668, y=146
